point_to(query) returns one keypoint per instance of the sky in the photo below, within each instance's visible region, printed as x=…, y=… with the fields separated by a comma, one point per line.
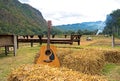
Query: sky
x=74, y=11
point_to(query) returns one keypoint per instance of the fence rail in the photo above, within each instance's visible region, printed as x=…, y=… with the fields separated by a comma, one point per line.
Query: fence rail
x=40, y=39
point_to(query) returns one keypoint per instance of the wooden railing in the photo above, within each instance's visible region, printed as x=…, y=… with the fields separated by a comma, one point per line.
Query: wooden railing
x=7, y=41
x=40, y=39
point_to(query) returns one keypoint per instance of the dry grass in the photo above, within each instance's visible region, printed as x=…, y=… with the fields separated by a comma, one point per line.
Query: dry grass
x=112, y=56
x=46, y=73
x=87, y=61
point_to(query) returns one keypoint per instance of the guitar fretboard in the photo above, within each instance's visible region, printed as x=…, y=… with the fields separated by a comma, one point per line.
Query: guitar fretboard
x=48, y=40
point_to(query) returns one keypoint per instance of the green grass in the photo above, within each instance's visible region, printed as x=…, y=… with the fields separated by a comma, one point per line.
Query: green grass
x=108, y=68
x=25, y=55
x=112, y=71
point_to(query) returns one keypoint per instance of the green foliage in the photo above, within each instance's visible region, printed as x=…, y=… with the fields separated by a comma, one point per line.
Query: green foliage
x=55, y=31
x=113, y=23
x=21, y=19
x=69, y=32
x=108, y=67
x=79, y=32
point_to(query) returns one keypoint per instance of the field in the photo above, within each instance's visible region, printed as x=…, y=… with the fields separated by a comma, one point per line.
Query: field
x=95, y=60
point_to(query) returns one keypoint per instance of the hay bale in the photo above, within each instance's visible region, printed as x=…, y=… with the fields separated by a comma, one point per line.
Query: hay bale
x=46, y=73
x=112, y=56
x=62, y=52
x=89, y=61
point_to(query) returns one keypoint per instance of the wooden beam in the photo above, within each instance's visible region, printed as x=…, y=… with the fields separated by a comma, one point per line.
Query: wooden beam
x=15, y=45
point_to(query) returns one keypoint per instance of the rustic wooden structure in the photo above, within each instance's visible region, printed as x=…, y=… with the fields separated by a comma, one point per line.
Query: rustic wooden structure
x=7, y=41
x=76, y=38
x=40, y=39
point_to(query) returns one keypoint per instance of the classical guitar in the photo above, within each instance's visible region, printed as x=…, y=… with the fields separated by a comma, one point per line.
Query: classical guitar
x=48, y=53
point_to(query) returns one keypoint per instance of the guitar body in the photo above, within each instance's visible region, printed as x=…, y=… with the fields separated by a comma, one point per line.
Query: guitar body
x=48, y=57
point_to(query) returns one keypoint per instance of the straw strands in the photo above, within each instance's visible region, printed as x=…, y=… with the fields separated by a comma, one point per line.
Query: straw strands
x=76, y=65
x=46, y=73
x=112, y=56
x=87, y=61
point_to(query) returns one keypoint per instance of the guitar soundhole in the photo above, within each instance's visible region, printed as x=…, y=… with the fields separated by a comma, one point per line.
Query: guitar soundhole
x=48, y=52
x=51, y=56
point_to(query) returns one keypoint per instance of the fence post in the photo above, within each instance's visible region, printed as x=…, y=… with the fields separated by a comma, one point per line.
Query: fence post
x=31, y=36
x=40, y=38
x=15, y=44
x=113, y=41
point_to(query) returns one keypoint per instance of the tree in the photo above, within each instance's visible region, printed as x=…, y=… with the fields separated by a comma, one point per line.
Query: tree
x=80, y=32
x=113, y=25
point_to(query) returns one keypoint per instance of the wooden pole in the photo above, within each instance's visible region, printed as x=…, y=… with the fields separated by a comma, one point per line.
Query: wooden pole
x=113, y=40
x=15, y=45
x=6, y=50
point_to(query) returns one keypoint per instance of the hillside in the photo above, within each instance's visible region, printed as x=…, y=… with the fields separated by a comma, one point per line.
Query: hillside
x=18, y=18
x=91, y=26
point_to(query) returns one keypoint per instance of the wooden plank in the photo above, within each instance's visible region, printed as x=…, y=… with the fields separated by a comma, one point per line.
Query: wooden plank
x=8, y=41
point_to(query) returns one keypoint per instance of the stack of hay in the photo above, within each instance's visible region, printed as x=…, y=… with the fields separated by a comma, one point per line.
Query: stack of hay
x=89, y=61
x=74, y=63
x=46, y=73
x=112, y=56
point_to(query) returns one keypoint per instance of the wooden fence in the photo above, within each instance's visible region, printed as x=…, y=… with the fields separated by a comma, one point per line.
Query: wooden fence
x=40, y=39
x=7, y=41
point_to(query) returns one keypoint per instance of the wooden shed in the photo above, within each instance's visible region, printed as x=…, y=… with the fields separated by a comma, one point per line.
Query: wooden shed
x=7, y=41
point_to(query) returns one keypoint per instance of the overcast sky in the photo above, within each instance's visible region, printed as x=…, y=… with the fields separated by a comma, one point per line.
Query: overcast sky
x=74, y=11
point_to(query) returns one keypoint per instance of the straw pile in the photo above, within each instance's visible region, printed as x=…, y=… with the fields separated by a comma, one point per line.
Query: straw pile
x=47, y=73
x=89, y=61
x=112, y=56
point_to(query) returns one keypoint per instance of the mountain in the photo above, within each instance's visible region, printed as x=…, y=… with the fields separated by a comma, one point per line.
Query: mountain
x=91, y=26
x=18, y=18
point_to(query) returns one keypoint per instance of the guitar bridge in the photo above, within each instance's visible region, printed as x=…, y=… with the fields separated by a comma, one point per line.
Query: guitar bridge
x=47, y=61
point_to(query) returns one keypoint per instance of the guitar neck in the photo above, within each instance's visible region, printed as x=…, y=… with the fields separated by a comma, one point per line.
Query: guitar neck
x=48, y=40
